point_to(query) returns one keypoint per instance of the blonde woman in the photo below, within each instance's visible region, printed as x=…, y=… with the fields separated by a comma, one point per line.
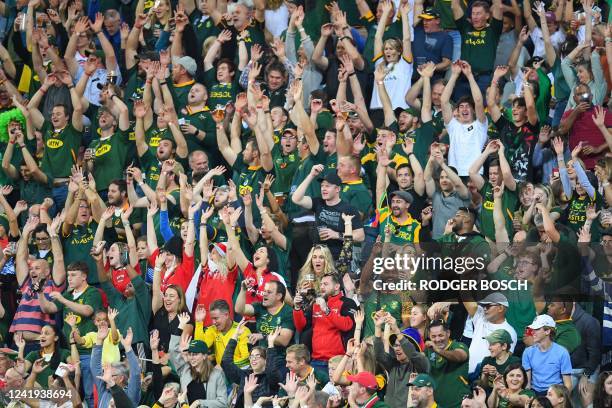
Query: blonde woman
x=396, y=57
x=541, y=194
x=318, y=263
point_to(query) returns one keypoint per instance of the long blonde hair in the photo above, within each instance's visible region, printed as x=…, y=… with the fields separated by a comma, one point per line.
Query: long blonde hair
x=307, y=272
x=203, y=375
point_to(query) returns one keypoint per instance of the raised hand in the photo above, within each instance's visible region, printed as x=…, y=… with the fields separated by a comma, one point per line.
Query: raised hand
x=154, y=339
x=558, y=145
x=250, y=383
x=291, y=384
x=127, y=340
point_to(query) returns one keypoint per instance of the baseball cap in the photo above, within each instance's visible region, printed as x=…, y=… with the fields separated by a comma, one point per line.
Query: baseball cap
x=423, y=380
x=499, y=336
x=404, y=195
x=551, y=17
x=494, y=298
x=96, y=53
x=332, y=178
x=365, y=379
x=188, y=63
x=543, y=320
x=412, y=111
x=429, y=14
x=290, y=130
x=197, y=346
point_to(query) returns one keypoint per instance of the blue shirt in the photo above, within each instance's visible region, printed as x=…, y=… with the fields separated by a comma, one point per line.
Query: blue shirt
x=547, y=367
x=431, y=46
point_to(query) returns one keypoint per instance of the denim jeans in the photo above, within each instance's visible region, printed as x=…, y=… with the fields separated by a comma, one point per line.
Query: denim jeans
x=59, y=194
x=456, y=36
x=559, y=110
x=320, y=365
x=87, y=378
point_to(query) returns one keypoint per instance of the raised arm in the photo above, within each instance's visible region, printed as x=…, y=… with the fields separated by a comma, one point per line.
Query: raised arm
x=494, y=109
x=455, y=179
x=456, y=9
x=474, y=170
x=299, y=196
x=445, y=98
x=387, y=9
x=406, y=41
x=505, y=169
x=476, y=93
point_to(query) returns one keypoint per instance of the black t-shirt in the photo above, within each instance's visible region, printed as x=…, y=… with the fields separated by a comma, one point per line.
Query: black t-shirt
x=331, y=217
x=165, y=328
x=519, y=142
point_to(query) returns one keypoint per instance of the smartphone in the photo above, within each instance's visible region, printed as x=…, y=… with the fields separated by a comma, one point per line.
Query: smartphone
x=61, y=370
x=555, y=172
x=181, y=121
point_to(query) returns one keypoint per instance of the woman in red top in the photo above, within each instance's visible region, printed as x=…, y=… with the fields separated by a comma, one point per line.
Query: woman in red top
x=257, y=273
x=119, y=254
x=176, y=266
x=216, y=281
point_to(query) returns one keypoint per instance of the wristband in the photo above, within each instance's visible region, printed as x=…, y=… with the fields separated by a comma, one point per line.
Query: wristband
x=44, y=91
x=22, y=146
x=72, y=86
x=267, y=111
x=163, y=82
x=12, y=142
x=138, y=26
x=352, y=73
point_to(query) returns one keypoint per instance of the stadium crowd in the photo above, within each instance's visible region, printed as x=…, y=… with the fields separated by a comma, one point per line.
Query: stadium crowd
x=200, y=199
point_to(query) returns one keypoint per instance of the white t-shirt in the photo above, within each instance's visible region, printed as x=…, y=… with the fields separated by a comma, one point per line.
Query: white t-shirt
x=277, y=20
x=479, y=348
x=466, y=143
x=557, y=38
x=397, y=83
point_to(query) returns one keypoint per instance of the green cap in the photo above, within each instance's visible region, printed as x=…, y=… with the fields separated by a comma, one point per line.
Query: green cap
x=412, y=111
x=499, y=336
x=97, y=53
x=423, y=380
x=197, y=346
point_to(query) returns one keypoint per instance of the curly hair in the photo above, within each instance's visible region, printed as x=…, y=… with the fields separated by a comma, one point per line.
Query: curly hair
x=13, y=115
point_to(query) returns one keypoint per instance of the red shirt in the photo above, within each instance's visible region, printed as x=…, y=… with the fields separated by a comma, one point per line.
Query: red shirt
x=120, y=277
x=214, y=286
x=327, y=330
x=181, y=275
x=256, y=286
x=584, y=130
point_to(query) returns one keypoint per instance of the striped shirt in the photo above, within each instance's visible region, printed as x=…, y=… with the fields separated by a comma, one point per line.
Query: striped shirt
x=602, y=288
x=29, y=316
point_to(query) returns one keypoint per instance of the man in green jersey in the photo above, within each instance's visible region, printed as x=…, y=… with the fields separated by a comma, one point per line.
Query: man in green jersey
x=183, y=73
x=286, y=161
x=499, y=173
x=61, y=136
x=353, y=190
x=168, y=148
x=81, y=300
x=83, y=210
x=479, y=41
x=106, y=156
x=422, y=392
x=448, y=360
x=197, y=124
